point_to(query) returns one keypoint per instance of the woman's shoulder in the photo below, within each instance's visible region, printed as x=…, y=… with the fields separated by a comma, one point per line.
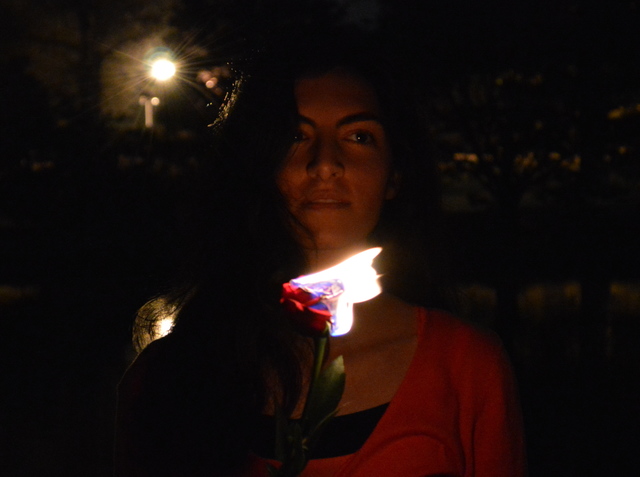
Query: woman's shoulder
x=460, y=340
x=433, y=320
x=462, y=356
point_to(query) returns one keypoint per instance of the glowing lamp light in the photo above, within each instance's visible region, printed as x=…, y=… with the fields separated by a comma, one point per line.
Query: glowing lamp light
x=163, y=69
x=351, y=281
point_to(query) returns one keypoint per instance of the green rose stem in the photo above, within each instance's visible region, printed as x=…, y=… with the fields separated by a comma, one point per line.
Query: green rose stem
x=319, y=345
x=295, y=439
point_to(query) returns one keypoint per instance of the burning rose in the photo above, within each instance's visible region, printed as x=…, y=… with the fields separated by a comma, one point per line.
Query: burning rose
x=319, y=306
x=307, y=313
x=335, y=289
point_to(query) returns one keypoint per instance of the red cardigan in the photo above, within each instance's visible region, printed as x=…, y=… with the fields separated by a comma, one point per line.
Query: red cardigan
x=456, y=413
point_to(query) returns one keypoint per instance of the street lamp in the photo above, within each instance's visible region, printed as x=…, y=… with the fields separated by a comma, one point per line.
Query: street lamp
x=161, y=68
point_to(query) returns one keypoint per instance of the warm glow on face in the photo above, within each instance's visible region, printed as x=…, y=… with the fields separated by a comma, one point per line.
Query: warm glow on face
x=163, y=69
x=351, y=281
x=337, y=174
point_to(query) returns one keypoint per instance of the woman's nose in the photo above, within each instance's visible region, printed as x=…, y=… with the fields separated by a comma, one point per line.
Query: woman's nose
x=325, y=161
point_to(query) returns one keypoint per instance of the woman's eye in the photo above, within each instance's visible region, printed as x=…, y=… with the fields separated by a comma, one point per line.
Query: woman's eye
x=361, y=137
x=299, y=136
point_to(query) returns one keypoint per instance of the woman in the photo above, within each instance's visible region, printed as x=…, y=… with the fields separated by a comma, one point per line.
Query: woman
x=318, y=159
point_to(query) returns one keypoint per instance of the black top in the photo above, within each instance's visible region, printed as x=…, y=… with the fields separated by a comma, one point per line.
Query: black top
x=343, y=435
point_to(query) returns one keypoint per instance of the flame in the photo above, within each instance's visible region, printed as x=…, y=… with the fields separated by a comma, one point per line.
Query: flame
x=351, y=281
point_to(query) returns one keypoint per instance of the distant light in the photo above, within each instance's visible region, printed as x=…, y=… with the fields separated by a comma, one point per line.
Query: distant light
x=155, y=101
x=465, y=157
x=163, y=69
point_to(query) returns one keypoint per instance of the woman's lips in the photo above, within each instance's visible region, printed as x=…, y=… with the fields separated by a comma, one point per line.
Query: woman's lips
x=326, y=203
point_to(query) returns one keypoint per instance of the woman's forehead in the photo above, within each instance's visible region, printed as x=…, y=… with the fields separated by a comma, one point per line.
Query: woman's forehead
x=336, y=88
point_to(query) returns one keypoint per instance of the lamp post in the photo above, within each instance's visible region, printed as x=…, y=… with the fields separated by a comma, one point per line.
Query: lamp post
x=161, y=69
x=149, y=103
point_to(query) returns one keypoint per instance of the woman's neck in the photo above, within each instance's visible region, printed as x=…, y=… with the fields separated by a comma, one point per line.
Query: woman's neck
x=321, y=259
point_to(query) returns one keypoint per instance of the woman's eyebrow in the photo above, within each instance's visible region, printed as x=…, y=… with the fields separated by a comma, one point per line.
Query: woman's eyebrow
x=359, y=117
x=306, y=120
x=352, y=118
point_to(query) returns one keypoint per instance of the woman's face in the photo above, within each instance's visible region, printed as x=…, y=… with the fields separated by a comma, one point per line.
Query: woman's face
x=337, y=173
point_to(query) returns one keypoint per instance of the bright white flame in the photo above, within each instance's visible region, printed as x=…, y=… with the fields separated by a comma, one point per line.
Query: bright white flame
x=360, y=283
x=163, y=69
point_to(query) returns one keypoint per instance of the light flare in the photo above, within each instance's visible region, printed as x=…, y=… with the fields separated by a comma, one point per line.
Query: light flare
x=164, y=326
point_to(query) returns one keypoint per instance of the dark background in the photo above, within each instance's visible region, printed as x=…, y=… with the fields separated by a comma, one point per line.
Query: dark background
x=534, y=111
